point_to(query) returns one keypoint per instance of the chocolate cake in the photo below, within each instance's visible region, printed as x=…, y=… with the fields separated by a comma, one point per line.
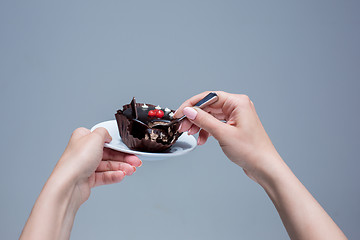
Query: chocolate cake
x=146, y=127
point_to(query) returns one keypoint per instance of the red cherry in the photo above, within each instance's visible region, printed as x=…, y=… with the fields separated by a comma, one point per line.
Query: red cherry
x=159, y=113
x=152, y=113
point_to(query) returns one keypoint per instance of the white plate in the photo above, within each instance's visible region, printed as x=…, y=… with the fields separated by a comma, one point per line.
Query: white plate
x=183, y=145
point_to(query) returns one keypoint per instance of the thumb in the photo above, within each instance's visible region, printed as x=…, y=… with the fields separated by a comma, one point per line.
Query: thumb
x=206, y=121
x=103, y=133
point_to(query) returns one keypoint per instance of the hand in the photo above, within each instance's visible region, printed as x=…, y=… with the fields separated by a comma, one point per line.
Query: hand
x=241, y=137
x=89, y=164
x=84, y=164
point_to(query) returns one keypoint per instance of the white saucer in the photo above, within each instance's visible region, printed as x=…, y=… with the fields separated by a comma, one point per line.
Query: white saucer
x=183, y=145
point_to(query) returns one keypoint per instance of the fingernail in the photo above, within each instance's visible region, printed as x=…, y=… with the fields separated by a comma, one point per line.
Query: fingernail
x=179, y=129
x=140, y=164
x=189, y=132
x=198, y=141
x=134, y=168
x=190, y=113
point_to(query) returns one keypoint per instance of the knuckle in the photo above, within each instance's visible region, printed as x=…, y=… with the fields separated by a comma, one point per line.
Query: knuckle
x=109, y=166
x=245, y=97
x=244, y=100
x=79, y=131
x=108, y=177
x=113, y=178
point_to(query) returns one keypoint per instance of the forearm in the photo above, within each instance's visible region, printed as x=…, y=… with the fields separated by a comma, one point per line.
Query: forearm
x=302, y=215
x=54, y=211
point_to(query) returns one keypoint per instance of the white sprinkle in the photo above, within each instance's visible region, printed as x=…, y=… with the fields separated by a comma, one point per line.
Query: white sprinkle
x=144, y=106
x=158, y=107
x=171, y=114
x=167, y=110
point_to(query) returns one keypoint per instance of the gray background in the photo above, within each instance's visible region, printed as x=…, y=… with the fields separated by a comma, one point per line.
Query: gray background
x=67, y=64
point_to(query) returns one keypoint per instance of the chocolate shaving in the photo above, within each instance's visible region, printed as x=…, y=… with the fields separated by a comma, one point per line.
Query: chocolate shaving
x=133, y=108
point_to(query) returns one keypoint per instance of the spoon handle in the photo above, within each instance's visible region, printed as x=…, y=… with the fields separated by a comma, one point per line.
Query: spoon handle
x=206, y=101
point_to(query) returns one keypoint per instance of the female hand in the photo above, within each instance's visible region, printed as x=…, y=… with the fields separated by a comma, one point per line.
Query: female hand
x=84, y=164
x=233, y=121
x=245, y=142
x=89, y=164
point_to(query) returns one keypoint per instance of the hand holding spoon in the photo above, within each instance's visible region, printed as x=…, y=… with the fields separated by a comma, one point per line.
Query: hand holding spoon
x=206, y=101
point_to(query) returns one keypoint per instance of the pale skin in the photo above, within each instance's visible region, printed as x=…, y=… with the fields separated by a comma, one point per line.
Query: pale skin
x=84, y=164
x=235, y=124
x=232, y=121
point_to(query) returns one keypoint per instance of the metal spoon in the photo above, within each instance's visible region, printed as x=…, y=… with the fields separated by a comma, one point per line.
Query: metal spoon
x=204, y=102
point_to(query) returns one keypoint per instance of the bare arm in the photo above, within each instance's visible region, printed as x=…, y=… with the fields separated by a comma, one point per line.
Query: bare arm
x=245, y=142
x=302, y=216
x=84, y=164
x=54, y=211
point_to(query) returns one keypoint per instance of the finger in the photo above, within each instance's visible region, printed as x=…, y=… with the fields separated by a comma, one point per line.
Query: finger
x=219, y=116
x=103, y=133
x=193, y=100
x=116, y=166
x=203, y=137
x=193, y=130
x=133, y=160
x=213, y=110
x=185, y=125
x=112, y=155
x=216, y=112
x=189, y=103
x=206, y=121
x=110, y=177
x=79, y=133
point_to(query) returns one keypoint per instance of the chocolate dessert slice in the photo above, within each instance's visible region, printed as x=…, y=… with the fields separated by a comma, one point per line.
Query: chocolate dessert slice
x=146, y=127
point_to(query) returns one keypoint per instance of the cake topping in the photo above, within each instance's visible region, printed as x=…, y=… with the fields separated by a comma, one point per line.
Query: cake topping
x=144, y=106
x=171, y=115
x=167, y=110
x=147, y=116
x=156, y=113
x=159, y=113
x=152, y=113
x=158, y=107
x=133, y=109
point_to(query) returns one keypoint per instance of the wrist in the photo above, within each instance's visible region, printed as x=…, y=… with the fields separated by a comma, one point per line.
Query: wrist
x=274, y=175
x=54, y=211
x=67, y=169
x=268, y=169
x=64, y=193
x=70, y=175
x=63, y=187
